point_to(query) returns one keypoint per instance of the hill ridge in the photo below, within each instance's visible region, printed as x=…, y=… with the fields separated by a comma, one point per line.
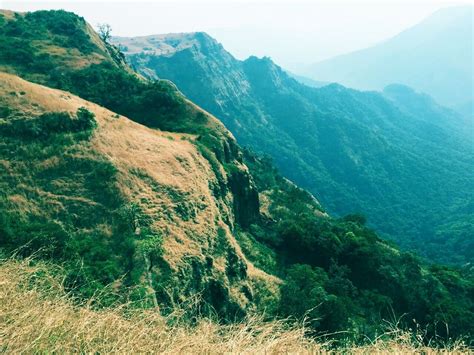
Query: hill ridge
x=374, y=136
x=433, y=56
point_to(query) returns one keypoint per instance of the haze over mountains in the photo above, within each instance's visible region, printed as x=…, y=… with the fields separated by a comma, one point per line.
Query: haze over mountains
x=396, y=156
x=435, y=57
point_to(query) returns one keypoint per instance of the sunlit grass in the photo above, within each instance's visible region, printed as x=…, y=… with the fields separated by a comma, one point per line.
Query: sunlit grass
x=37, y=315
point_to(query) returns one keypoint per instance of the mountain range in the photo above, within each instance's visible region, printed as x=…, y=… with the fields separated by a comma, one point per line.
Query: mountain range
x=137, y=198
x=434, y=57
x=396, y=156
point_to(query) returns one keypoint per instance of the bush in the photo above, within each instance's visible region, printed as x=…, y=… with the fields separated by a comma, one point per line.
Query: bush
x=49, y=124
x=356, y=218
x=86, y=120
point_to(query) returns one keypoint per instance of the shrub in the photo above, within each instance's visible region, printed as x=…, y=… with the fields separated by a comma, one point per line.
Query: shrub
x=49, y=124
x=86, y=119
x=356, y=218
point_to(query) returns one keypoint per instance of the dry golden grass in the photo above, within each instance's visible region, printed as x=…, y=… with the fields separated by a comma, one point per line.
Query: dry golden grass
x=146, y=159
x=37, y=316
x=7, y=13
x=161, y=172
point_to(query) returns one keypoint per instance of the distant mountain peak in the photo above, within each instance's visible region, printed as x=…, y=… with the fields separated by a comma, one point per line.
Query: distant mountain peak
x=398, y=88
x=435, y=56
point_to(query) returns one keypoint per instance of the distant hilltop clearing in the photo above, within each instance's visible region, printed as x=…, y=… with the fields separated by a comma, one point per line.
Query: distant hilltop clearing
x=160, y=44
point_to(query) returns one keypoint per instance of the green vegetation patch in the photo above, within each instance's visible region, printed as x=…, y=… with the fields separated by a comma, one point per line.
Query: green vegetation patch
x=60, y=200
x=340, y=276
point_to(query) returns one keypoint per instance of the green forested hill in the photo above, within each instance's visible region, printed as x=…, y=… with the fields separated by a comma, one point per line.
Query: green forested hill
x=396, y=156
x=141, y=196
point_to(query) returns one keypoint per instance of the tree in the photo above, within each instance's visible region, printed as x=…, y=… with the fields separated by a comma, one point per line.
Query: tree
x=303, y=292
x=85, y=119
x=105, y=31
x=356, y=218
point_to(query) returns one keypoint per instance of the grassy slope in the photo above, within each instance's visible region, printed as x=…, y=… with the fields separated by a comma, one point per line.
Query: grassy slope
x=37, y=316
x=79, y=186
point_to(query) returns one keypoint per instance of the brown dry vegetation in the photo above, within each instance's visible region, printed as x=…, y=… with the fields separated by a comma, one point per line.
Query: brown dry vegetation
x=157, y=44
x=146, y=158
x=161, y=172
x=37, y=316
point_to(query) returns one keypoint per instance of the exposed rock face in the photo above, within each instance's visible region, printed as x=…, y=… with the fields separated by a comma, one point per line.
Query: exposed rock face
x=246, y=200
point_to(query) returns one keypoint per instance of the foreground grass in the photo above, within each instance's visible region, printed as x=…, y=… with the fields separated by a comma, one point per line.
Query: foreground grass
x=36, y=315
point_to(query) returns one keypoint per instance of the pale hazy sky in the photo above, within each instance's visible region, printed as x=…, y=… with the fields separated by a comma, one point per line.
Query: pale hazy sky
x=291, y=32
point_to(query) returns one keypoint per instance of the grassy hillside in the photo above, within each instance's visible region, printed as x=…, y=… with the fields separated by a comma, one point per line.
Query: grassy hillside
x=114, y=199
x=397, y=156
x=39, y=317
x=152, y=218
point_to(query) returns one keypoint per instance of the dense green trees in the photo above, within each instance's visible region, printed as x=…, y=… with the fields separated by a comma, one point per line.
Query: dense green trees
x=155, y=104
x=397, y=156
x=57, y=28
x=50, y=124
x=341, y=276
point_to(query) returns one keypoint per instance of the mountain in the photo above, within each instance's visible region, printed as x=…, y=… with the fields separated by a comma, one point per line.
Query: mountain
x=92, y=192
x=397, y=156
x=307, y=81
x=109, y=197
x=434, y=56
x=137, y=198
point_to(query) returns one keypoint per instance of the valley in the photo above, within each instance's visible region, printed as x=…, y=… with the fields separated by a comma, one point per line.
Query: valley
x=396, y=156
